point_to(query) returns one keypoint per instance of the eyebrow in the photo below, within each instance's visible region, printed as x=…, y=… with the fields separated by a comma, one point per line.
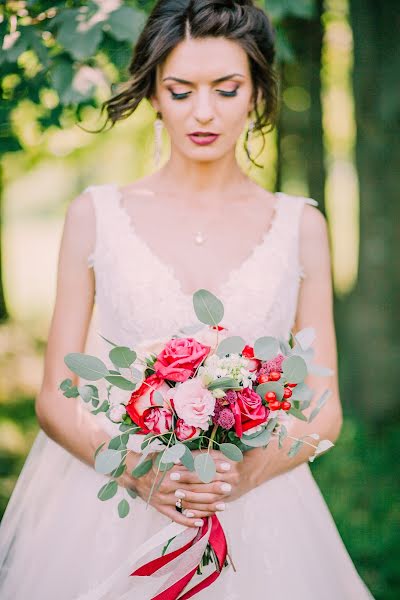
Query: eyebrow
x=225, y=78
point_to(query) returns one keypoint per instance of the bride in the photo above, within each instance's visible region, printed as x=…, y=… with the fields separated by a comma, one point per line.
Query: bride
x=138, y=253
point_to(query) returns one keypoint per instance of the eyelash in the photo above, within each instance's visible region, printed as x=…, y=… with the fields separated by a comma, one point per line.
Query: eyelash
x=186, y=94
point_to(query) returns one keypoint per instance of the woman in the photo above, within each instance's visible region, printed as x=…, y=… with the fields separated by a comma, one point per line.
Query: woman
x=207, y=68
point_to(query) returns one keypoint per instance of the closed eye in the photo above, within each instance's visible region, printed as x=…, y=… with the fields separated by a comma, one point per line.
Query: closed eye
x=184, y=95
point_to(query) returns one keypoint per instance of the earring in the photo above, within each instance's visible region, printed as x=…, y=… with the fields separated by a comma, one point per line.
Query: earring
x=158, y=127
x=248, y=144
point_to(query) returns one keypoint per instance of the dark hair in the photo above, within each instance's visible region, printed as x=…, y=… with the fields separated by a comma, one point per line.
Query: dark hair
x=169, y=24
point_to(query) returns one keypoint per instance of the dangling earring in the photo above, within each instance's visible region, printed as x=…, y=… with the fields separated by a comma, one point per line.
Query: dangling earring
x=249, y=140
x=158, y=127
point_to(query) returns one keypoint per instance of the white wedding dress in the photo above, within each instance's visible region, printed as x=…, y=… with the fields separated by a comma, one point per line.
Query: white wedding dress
x=59, y=542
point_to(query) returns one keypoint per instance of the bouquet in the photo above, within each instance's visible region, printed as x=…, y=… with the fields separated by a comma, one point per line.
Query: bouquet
x=198, y=390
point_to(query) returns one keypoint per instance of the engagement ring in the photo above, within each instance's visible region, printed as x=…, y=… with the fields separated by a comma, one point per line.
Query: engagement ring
x=178, y=505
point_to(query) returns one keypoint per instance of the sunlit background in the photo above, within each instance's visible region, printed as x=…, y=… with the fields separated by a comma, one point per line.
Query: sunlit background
x=55, y=164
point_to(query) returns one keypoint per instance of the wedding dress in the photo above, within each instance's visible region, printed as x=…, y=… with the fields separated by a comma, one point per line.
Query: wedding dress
x=59, y=542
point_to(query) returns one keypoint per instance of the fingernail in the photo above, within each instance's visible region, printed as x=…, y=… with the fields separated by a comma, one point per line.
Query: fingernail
x=180, y=494
x=175, y=476
x=220, y=506
x=225, y=466
x=226, y=487
x=189, y=513
x=198, y=523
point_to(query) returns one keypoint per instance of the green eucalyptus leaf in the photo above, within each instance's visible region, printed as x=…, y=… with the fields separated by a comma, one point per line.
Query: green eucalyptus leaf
x=320, y=403
x=123, y=508
x=86, y=366
x=319, y=370
x=302, y=392
x=107, y=461
x=108, y=341
x=64, y=385
x=187, y=459
x=208, y=308
x=205, y=467
x=118, y=471
x=122, y=357
x=120, y=382
x=173, y=453
x=231, y=451
x=270, y=386
x=108, y=490
x=71, y=392
x=295, y=447
x=260, y=440
x=224, y=383
x=125, y=23
x=294, y=369
x=266, y=348
x=142, y=468
x=131, y=493
x=105, y=405
x=231, y=345
x=98, y=449
x=305, y=337
x=282, y=435
x=297, y=413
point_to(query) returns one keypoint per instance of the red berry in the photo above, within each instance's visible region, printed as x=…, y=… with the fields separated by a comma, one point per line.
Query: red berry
x=263, y=378
x=292, y=385
x=274, y=376
x=275, y=405
x=270, y=396
x=285, y=405
x=287, y=392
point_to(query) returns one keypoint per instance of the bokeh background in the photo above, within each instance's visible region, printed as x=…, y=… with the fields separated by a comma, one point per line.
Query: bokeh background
x=337, y=141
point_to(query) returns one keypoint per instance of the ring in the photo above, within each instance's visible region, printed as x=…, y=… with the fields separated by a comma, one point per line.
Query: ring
x=178, y=505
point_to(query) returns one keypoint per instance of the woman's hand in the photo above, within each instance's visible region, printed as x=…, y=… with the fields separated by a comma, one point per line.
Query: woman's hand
x=201, y=499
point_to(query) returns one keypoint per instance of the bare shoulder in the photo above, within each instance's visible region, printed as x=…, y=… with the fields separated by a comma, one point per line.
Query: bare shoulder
x=314, y=240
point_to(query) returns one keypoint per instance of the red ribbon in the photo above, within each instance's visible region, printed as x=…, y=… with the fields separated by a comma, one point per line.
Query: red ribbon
x=217, y=541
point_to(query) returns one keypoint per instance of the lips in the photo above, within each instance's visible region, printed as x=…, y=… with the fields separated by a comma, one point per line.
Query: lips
x=203, y=138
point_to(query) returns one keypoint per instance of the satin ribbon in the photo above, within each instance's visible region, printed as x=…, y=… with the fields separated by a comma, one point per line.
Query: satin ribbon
x=217, y=541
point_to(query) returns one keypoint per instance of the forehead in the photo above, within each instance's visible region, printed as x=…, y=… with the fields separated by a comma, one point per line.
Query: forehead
x=205, y=59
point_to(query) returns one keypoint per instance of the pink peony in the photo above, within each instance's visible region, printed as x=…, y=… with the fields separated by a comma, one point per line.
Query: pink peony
x=185, y=432
x=180, y=358
x=193, y=403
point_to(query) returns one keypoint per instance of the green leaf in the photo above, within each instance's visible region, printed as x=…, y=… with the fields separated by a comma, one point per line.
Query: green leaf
x=120, y=382
x=271, y=423
x=173, y=453
x=231, y=451
x=108, y=490
x=131, y=493
x=205, y=467
x=62, y=75
x=71, y=392
x=295, y=447
x=320, y=403
x=297, y=413
x=322, y=447
x=77, y=35
x=125, y=23
x=105, y=405
x=64, y=385
x=319, y=370
x=86, y=393
x=116, y=443
x=107, y=461
x=294, y=369
x=98, y=449
x=118, y=471
x=187, y=459
x=208, y=308
x=266, y=348
x=302, y=392
x=123, y=508
x=108, y=341
x=305, y=337
x=122, y=357
x=231, y=345
x=260, y=440
x=86, y=366
x=282, y=435
x=224, y=383
x=270, y=386
x=142, y=468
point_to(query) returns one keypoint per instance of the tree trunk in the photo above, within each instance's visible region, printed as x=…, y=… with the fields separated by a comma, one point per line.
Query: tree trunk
x=373, y=323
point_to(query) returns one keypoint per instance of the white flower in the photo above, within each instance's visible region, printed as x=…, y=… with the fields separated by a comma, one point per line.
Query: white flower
x=117, y=413
x=234, y=366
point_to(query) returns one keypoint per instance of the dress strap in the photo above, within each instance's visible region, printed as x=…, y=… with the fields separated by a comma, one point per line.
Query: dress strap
x=104, y=202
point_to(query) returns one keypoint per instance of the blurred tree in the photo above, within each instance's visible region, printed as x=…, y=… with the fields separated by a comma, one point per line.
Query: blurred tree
x=373, y=324
x=58, y=54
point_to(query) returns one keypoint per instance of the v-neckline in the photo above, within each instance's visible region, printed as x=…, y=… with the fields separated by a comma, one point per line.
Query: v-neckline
x=168, y=268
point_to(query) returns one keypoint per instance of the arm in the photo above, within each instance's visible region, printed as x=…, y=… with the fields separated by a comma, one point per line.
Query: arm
x=315, y=309
x=64, y=419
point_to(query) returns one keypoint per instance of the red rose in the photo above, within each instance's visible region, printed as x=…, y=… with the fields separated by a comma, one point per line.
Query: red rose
x=180, y=358
x=249, y=411
x=254, y=363
x=157, y=420
x=143, y=400
x=185, y=432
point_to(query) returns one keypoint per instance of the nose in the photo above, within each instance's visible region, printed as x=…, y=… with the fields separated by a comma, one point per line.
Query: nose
x=203, y=106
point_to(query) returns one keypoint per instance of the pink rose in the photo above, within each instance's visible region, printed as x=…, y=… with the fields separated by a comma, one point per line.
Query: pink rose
x=193, y=403
x=185, y=432
x=180, y=358
x=249, y=410
x=144, y=398
x=157, y=420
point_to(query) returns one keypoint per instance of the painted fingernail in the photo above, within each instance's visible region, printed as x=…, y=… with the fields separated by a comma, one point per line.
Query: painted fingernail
x=225, y=466
x=220, y=506
x=198, y=523
x=175, y=476
x=226, y=487
x=180, y=494
x=189, y=513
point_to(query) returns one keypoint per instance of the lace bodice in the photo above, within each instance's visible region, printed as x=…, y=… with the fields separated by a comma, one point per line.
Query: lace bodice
x=139, y=298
